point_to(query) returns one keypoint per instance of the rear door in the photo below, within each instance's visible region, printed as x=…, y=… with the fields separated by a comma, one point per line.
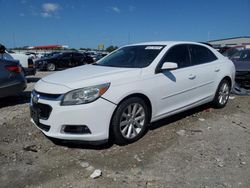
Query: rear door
x=206, y=67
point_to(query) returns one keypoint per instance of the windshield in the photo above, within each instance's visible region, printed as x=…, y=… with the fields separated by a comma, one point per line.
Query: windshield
x=132, y=56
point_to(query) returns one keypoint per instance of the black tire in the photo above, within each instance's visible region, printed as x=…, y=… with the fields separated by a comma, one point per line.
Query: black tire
x=51, y=67
x=217, y=102
x=136, y=131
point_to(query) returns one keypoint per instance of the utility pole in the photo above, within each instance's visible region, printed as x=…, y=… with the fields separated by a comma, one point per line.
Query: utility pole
x=128, y=37
x=14, y=40
x=208, y=36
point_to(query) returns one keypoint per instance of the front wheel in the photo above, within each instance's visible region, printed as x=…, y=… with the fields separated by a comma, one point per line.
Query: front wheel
x=51, y=67
x=130, y=121
x=222, y=94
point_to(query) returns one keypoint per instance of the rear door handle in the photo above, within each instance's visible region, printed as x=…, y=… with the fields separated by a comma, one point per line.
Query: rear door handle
x=191, y=76
x=217, y=70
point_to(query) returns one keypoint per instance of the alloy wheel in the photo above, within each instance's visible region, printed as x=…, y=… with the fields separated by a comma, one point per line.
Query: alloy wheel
x=132, y=120
x=51, y=67
x=223, y=93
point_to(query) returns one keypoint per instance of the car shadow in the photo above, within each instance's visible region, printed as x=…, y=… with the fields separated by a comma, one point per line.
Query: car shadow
x=171, y=119
x=22, y=98
x=82, y=144
x=155, y=125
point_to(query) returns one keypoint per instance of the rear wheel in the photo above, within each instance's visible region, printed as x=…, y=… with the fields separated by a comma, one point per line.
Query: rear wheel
x=222, y=94
x=51, y=67
x=130, y=121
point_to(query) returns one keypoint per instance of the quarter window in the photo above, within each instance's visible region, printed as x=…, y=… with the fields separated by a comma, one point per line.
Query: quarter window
x=201, y=54
x=178, y=54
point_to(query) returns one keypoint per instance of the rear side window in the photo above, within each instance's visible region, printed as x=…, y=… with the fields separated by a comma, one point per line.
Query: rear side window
x=201, y=54
x=178, y=54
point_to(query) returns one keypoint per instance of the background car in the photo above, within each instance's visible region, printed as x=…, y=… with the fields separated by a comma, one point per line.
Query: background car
x=231, y=52
x=12, y=79
x=97, y=57
x=242, y=66
x=63, y=60
x=47, y=55
x=32, y=55
x=27, y=63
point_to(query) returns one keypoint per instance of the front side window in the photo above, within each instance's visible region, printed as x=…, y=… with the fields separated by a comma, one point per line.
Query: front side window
x=201, y=54
x=178, y=54
x=132, y=56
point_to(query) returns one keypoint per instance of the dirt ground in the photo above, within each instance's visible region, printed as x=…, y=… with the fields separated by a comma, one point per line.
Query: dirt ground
x=203, y=148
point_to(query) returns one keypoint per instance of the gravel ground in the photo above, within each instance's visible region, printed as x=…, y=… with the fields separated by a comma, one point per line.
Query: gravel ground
x=200, y=148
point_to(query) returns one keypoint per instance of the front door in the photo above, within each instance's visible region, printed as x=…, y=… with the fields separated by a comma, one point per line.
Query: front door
x=175, y=88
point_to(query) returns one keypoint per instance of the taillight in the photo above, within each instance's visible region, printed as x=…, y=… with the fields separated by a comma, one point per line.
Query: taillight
x=14, y=68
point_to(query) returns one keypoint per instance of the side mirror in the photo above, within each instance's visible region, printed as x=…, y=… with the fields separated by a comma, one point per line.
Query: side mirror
x=2, y=49
x=169, y=66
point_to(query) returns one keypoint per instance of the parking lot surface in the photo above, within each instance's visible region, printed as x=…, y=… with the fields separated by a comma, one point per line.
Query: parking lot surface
x=203, y=147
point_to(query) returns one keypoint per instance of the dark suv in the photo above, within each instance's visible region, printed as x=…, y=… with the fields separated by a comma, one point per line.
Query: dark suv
x=63, y=60
x=12, y=79
x=242, y=65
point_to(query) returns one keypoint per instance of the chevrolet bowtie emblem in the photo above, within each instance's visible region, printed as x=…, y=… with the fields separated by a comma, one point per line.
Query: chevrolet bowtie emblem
x=35, y=98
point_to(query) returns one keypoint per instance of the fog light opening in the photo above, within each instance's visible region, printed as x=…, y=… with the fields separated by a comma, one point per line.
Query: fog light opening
x=76, y=129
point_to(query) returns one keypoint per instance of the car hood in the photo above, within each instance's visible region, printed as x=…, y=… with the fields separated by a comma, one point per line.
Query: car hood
x=242, y=65
x=87, y=75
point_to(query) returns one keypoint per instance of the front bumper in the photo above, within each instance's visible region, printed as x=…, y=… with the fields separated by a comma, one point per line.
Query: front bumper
x=243, y=79
x=96, y=116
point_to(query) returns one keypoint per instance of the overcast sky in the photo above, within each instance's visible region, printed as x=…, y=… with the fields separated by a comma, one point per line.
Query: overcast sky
x=87, y=23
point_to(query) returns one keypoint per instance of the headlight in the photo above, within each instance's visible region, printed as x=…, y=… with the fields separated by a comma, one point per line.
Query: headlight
x=84, y=95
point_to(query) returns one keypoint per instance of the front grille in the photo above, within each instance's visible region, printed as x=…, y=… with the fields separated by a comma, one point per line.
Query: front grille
x=40, y=111
x=47, y=96
x=43, y=127
x=43, y=110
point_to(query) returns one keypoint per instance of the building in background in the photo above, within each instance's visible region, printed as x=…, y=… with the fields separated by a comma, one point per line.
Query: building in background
x=231, y=42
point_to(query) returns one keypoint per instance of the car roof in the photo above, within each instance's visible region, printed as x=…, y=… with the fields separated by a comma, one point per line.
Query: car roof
x=171, y=43
x=167, y=43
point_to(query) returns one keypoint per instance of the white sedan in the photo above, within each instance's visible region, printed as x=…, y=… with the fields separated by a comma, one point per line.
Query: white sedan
x=120, y=95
